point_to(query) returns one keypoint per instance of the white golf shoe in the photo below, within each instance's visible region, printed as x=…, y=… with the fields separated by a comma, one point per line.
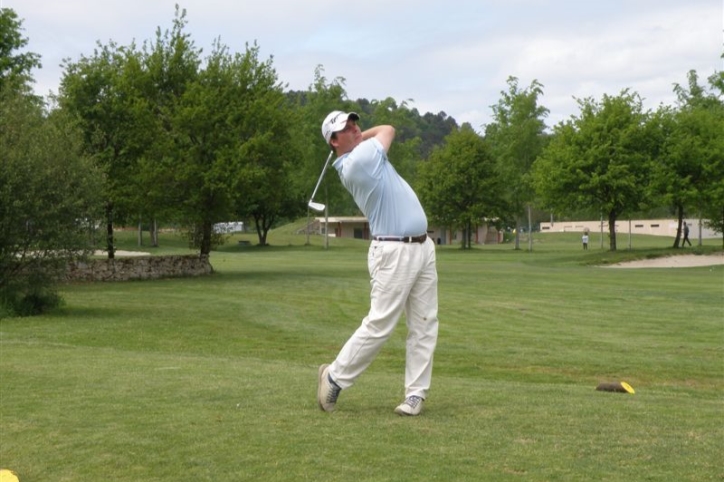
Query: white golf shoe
x=411, y=406
x=327, y=390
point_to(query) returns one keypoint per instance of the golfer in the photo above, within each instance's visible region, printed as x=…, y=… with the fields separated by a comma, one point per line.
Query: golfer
x=401, y=263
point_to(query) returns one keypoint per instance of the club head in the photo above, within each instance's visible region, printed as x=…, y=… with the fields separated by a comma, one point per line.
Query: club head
x=319, y=207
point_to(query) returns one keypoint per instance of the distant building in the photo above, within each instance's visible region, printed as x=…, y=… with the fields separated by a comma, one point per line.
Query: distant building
x=230, y=227
x=654, y=227
x=357, y=227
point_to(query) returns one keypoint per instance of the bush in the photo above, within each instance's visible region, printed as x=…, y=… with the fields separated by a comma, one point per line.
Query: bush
x=47, y=186
x=35, y=301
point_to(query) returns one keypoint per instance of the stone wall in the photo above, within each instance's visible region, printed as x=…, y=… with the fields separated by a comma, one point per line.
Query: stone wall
x=138, y=268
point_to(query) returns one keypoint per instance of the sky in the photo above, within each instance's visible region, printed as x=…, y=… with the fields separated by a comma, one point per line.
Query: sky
x=451, y=56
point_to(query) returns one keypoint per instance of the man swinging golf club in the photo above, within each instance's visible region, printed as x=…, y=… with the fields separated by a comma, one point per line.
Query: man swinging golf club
x=401, y=263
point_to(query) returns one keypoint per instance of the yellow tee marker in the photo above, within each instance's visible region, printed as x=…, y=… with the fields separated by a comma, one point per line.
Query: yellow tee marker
x=622, y=387
x=8, y=476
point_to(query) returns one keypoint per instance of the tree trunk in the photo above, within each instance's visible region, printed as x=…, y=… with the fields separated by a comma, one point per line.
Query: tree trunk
x=154, y=233
x=530, y=229
x=109, y=231
x=140, y=231
x=206, y=230
x=679, y=219
x=260, y=231
x=612, y=230
x=517, y=233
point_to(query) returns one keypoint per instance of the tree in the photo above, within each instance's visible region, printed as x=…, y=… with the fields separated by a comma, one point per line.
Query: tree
x=459, y=185
x=92, y=90
x=268, y=151
x=712, y=202
x=433, y=130
x=698, y=143
x=47, y=188
x=48, y=195
x=517, y=138
x=125, y=99
x=687, y=156
x=15, y=67
x=597, y=160
x=169, y=65
x=197, y=141
x=232, y=145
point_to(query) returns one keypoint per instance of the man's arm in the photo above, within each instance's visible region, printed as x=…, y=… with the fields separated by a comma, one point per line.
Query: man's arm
x=384, y=134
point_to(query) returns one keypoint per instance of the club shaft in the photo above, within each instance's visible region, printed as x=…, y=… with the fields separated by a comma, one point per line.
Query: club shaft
x=321, y=176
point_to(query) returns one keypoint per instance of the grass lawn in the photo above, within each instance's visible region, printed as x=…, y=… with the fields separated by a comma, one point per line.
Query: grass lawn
x=214, y=378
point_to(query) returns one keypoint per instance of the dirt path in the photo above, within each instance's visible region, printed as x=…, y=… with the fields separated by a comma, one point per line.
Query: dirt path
x=122, y=254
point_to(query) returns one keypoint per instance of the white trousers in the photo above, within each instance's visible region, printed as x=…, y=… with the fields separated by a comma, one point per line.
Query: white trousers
x=403, y=280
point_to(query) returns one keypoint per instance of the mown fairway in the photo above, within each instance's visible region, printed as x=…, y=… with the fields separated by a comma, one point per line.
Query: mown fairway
x=214, y=379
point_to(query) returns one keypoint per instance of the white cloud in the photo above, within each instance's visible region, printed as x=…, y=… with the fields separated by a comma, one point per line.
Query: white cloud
x=452, y=56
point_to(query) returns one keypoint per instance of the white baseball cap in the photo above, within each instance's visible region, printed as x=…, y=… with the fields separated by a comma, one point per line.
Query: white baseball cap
x=335, y=122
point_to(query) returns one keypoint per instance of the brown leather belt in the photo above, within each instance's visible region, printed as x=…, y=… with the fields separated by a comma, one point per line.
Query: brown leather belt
x=402, y=239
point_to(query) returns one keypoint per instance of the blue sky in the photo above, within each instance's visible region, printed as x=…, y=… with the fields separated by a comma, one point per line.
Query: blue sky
x=450, y=55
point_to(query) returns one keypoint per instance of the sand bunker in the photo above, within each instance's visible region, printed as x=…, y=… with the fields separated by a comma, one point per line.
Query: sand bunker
x=682, y=261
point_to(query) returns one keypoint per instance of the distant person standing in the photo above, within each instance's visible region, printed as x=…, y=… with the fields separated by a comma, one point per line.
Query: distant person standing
x=584, y=238
x=686, y=235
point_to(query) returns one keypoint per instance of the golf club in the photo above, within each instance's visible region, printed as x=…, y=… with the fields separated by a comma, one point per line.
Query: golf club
x=319, y=206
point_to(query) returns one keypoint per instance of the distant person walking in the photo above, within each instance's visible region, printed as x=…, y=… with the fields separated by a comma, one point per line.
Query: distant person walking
x=584, y=238
x=686, y=235
x=401, y=263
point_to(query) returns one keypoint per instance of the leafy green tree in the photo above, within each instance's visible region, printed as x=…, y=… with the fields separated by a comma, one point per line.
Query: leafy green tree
x=47, y=188
x=266, y=152
x=517, y=137
x=433, y=129
x=597, y=160
x=190, y=140
x=168, y=66
x=125, y=99
x=48, y=195
x=701, y=114
x=92, y=90
x=687, y=167
x=459, y=185
x=15, y=67
x=232, y=153
x=712, y=205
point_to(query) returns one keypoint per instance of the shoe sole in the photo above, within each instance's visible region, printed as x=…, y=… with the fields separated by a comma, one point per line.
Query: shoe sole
x=402, y=413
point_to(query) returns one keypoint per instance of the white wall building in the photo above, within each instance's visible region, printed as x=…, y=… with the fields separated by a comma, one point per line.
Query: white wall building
x=654, y=227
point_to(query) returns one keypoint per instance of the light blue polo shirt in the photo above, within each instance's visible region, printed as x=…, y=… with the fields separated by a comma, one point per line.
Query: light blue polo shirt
x=389, y=203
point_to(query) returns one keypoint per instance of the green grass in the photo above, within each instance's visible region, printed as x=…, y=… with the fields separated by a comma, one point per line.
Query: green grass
x=214, y=379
